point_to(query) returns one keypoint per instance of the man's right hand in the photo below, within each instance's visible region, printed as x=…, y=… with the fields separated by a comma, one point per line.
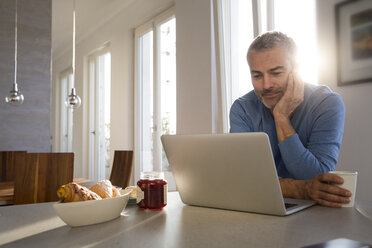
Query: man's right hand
x=322, y=190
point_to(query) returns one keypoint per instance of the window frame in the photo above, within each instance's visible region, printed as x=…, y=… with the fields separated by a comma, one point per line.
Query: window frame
x=263, y=18
x=154, y=26
x=93, y=171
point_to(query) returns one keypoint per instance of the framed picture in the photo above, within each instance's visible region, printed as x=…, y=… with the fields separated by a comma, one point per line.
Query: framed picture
x=354, y=41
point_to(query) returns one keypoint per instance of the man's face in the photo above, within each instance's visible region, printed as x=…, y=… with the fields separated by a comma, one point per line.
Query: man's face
x=269, y=72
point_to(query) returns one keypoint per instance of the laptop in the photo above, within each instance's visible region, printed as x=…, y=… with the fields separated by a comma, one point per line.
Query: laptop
x=234, y=171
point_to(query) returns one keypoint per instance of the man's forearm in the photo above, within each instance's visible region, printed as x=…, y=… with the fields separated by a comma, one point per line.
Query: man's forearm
x=292, y=188
x=284, y=128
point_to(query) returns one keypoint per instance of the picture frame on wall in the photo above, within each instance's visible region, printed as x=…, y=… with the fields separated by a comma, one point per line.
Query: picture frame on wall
x=354, y=42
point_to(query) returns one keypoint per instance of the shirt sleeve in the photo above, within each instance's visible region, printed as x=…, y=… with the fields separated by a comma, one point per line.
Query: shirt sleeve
x=239, y=119
x=319, y=153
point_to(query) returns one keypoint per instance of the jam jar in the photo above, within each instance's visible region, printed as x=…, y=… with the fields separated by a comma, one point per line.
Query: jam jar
x=152, y=191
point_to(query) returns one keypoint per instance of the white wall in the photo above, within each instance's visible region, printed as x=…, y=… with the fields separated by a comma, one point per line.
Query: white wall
x=356, y=148
x=194, y=67
x=120, y=32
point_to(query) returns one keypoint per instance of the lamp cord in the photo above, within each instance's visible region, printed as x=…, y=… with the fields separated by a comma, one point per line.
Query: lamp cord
x=73, y=43
x=15, y=46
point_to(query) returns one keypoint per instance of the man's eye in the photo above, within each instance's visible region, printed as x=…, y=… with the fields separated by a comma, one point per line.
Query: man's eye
x=257, y=76
x=276, y=73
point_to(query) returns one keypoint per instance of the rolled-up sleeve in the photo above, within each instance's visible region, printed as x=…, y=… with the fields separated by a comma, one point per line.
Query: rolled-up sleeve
x=319, y=152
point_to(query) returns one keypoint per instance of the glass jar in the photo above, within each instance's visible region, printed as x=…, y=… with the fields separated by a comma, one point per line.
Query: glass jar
x=152, y=191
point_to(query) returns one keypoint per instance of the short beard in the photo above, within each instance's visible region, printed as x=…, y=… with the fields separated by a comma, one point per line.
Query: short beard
x=271, y=108
x=267, y=106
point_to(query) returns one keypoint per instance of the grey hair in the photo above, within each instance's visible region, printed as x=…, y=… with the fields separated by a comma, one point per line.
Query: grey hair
x=274, y=39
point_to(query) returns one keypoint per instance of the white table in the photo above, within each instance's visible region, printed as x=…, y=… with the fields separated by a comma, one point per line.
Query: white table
x=179, y=225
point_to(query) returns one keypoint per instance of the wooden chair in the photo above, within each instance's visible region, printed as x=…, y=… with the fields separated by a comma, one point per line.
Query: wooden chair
x=39, y=175
x=7, y=164
x=121, y=168
x=7, y=167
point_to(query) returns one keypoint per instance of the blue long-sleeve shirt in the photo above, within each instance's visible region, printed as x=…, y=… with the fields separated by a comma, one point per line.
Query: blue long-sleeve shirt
x=319, y=124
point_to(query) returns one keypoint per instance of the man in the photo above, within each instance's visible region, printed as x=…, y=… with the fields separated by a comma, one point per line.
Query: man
x=304, y=122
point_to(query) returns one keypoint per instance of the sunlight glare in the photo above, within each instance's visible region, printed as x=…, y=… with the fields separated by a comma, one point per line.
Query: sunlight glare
x=303, y=31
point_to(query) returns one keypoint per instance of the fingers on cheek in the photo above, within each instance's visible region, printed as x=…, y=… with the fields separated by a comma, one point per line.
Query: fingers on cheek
x=290, y=81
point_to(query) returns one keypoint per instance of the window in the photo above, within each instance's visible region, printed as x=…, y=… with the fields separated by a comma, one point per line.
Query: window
x=303, y=32
x=66, y=82
x=99, y=114
x=241, y=21
x=155, y=92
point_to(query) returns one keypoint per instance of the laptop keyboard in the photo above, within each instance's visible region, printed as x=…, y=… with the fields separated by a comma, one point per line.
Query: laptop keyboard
x=289, y=205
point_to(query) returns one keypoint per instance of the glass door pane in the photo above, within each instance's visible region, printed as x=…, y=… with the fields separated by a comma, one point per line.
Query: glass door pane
x=167, y=94
x=241, y=37
x=146, y=100
x=92, y=118
x=64, y=117
x=104, y=109
x=99, y=115
x=66, y=113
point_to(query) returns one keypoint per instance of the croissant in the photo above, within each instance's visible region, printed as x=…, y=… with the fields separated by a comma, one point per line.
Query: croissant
x=115, y=192
x=72, y=192
x=133, y=194
x=105, y=189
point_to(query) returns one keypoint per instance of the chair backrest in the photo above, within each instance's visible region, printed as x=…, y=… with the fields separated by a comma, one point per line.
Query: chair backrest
x=121, y=168
x=39, y=175
x=7, y=164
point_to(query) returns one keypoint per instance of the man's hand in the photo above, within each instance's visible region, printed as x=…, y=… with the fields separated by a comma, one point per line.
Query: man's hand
x=318, y=189
x=293, y=96
x=321, y=190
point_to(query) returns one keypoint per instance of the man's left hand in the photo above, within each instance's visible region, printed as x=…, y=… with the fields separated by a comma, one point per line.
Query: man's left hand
x=293, y=96
x=283, y=110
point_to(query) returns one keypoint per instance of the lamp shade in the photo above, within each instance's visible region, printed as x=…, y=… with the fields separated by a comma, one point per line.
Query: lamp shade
x=73, y=101
x=15, y=97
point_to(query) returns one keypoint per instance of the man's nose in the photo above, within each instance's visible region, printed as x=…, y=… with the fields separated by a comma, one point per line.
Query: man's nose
x=267, y=83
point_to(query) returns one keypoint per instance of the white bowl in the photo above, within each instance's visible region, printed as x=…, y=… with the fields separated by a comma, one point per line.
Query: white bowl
x=92, y=212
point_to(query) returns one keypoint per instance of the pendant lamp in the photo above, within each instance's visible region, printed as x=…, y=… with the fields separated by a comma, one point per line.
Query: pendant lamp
x=15, y=97
x=73, y=101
